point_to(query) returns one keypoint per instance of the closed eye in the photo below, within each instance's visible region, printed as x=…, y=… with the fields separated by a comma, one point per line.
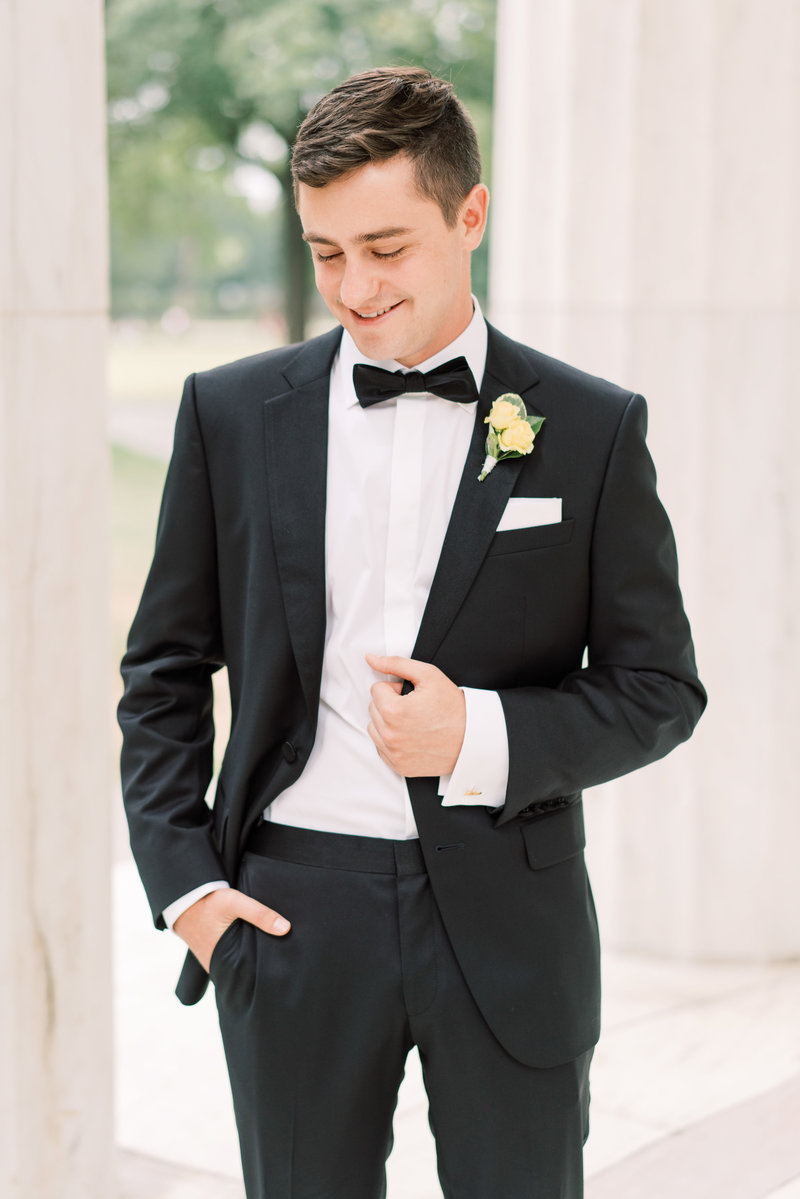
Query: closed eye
x=375, y=254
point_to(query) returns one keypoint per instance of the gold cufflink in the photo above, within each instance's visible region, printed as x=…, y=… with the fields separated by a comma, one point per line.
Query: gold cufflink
x=472, y=791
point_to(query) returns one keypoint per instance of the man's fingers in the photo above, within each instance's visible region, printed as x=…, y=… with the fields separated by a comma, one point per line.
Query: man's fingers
x=260, y=915
x=375, y=719
x=403, y=668
x=384, y=710
x=202, y=924
x=381, y=692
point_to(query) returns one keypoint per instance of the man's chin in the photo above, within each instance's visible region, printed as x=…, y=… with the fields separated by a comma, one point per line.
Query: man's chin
x=374, y=345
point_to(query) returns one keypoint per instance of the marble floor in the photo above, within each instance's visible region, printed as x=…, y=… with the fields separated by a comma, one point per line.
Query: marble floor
x=721, y=1122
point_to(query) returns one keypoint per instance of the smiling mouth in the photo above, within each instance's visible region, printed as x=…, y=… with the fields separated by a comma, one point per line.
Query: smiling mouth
x=379, y=312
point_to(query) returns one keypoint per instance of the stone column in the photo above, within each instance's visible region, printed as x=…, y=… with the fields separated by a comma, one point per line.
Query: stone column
x=646, y=228
x=55, y=1036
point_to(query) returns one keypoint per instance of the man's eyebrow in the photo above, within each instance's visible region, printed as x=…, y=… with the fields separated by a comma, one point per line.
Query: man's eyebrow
x=362, y=238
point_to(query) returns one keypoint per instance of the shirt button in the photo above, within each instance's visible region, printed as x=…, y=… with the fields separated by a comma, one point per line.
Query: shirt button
x=289, y=752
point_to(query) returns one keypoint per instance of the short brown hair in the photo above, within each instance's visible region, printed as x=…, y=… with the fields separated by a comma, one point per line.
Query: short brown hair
x=392, y=110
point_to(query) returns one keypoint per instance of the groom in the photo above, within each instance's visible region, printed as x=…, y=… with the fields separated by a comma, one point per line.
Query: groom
x=425, y=671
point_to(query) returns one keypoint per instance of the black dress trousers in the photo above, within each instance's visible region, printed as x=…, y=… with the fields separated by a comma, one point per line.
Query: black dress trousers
x=317, y=1026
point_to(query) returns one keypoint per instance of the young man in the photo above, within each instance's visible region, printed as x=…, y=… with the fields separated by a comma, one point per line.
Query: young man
x=395, y=854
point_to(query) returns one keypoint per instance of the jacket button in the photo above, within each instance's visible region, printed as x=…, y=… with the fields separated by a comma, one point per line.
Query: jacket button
x=289, y=752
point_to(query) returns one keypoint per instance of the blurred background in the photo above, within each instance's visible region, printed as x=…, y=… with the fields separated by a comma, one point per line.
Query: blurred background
x=207, y=262
x=644, y=164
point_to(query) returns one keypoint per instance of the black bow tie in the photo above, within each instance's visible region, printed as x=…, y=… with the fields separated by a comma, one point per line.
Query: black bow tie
x=453, y=381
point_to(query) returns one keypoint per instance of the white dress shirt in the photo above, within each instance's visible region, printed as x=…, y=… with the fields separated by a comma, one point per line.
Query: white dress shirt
x=393, y=474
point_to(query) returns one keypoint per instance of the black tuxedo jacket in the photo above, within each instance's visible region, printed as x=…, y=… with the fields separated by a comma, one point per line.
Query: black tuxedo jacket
x=238, y=578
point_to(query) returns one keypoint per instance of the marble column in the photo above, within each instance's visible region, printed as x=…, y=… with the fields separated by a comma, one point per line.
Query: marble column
x=646, y=228
x=55, y=1035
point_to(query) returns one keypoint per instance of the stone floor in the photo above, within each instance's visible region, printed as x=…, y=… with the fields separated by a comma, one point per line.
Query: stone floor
x=721, y=1120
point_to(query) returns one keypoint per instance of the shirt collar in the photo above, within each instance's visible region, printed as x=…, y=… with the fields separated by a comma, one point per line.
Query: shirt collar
x=471, y=344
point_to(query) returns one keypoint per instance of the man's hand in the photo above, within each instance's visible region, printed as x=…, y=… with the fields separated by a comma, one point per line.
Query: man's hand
x=419, y=734
x=202, y=925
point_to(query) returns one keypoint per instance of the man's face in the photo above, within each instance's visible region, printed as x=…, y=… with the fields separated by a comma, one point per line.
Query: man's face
x=387, y=265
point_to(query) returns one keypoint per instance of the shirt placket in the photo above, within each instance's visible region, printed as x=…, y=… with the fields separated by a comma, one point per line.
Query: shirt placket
x=401, y=619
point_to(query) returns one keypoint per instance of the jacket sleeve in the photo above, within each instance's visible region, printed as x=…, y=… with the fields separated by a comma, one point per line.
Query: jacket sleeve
x=638, y=695
x=174, y=647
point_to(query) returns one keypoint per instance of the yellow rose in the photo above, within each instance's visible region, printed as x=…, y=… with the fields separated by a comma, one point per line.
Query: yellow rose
x=502, y=414
x=518, y=436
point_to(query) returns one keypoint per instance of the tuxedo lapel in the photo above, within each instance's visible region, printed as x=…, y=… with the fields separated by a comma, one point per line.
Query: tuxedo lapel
x=478, y=506
x=296, y=443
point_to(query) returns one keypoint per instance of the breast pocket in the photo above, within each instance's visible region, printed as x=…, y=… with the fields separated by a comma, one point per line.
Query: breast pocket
x=516, y=541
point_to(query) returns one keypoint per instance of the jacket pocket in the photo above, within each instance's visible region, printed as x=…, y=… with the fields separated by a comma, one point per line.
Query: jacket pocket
x=554, y=837
x=516, y=541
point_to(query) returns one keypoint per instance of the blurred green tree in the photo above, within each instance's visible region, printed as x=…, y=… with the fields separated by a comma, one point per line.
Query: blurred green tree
x=219, y=87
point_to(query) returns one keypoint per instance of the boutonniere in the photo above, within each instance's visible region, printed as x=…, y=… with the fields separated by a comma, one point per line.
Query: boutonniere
x=511, y=431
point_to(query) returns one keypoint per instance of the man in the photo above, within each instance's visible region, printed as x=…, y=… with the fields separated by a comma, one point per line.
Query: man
x=395, y=854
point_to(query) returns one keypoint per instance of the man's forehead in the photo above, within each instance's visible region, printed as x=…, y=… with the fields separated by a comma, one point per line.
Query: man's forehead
x=377, y=201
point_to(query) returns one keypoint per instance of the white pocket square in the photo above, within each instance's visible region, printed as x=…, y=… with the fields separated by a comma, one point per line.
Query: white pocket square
x=523, y=512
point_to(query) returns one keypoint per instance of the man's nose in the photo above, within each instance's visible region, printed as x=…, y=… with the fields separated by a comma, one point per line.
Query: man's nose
x=359, y=285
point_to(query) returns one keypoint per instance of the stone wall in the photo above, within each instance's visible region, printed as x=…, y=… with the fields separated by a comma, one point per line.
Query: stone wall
x=646, y=227
x=55, y=1036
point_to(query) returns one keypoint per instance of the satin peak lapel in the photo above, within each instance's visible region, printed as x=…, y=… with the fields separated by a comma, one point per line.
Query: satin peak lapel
x=297, y=468
x=478, y=506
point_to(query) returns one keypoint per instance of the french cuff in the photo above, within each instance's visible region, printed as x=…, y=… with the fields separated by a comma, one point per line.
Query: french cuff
x=173, y=910
x=480, y=776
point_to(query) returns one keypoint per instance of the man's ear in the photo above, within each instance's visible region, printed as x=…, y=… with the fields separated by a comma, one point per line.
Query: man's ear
x=473, y=215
